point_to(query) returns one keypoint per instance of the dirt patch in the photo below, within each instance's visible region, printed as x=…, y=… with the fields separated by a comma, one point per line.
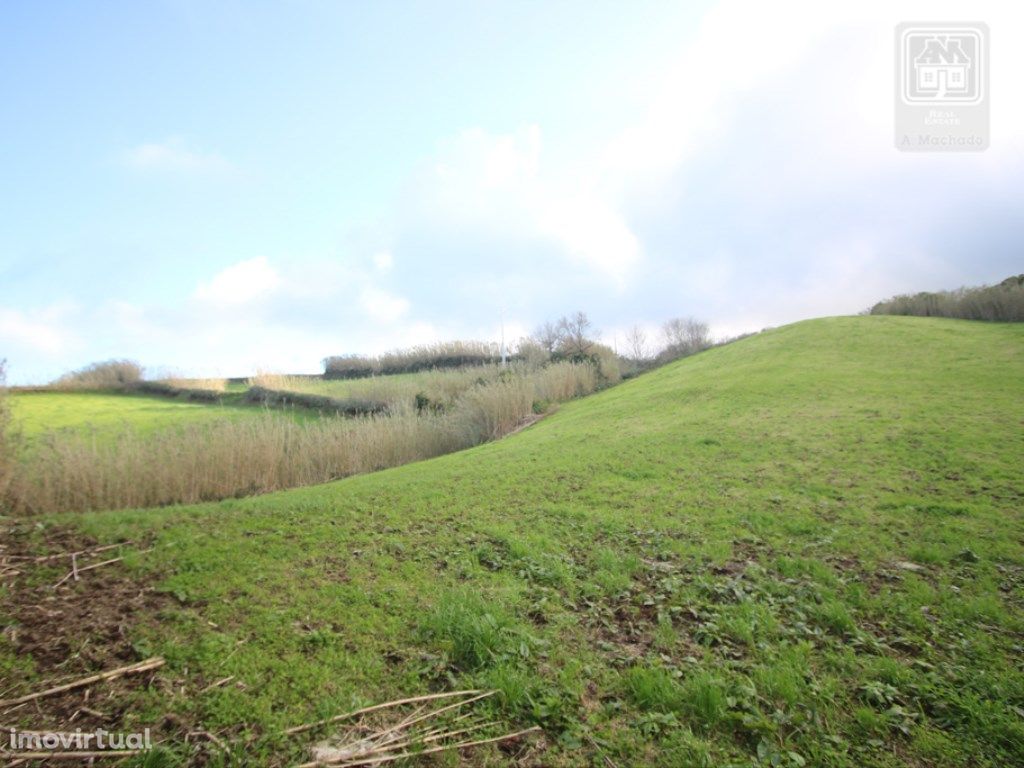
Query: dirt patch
x=59, y=634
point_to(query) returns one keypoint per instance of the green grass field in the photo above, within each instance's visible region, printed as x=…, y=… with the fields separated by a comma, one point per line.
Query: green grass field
x=107, y=414
x=804, y=548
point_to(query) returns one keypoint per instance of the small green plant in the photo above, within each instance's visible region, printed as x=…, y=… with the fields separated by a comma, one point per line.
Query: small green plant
x=654, y=689
x=473, y=632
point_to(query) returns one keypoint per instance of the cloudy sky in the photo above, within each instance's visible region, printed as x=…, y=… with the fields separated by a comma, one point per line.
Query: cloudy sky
x=216, y=187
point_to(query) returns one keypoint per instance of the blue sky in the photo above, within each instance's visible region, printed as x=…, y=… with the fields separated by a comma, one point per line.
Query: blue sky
x=213, y=188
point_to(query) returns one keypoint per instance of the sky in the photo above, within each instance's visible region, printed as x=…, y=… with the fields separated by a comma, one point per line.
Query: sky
x=215, y=188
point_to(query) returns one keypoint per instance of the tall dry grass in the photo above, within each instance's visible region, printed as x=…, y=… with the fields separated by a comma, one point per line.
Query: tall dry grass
x=202, y=385
x=110, y=374
x=67, y=472
x=564, y=381
x=223, y=459
x=283, y=382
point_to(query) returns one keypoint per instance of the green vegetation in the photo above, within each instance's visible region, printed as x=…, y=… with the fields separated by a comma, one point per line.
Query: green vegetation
x=441, y=355
x=804, y=548
x=108, y=414
x=1001, y=303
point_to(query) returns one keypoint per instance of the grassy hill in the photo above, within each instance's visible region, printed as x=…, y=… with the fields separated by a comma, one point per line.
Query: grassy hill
x=804, y=548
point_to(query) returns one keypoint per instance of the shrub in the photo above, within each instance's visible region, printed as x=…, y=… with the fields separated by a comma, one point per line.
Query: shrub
x=111, y=374
x=684, y=336
x=350, y=367
x=449, y=354
x=531, y=353
x=607, y=364
x=347, y=406
x=1003, y=302
x=168, y=390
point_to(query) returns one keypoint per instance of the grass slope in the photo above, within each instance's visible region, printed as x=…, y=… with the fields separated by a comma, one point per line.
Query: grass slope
x=804, y=548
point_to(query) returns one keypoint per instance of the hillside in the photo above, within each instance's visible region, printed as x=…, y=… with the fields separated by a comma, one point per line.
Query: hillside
x=804, y=548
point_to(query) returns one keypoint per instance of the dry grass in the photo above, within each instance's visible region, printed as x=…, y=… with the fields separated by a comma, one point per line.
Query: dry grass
x=564, y=381
x=110, y=374
x=282, y=382
x=203, y=385
x=223, y=459
x=442, y=387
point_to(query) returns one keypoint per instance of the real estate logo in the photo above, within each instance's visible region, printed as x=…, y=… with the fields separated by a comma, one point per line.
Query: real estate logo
x=941, y=86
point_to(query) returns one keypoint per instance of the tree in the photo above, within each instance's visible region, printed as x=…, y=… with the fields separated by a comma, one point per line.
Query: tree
x=636, y=344
x=547, y=336
x=574, y=331
x=684, y=336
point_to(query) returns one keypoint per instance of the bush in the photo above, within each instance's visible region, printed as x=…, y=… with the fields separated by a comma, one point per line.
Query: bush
x=607, y=364
x=169, y=390
x=111, y=374
x=346, y=407
x=350, y=367
x=450, y=354
x=1000, y=303
x=684, y=336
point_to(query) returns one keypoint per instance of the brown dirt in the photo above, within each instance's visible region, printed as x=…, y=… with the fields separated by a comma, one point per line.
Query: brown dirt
x=72, y=631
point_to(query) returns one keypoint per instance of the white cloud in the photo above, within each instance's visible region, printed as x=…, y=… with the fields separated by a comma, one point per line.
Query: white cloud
x=173, y=156
x=240, y=283
x=498, y=185
x=383, y=261
x=383, y=306
x=41, y=331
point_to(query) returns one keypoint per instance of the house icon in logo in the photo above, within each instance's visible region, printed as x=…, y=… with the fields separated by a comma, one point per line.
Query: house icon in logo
x=941, y=65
